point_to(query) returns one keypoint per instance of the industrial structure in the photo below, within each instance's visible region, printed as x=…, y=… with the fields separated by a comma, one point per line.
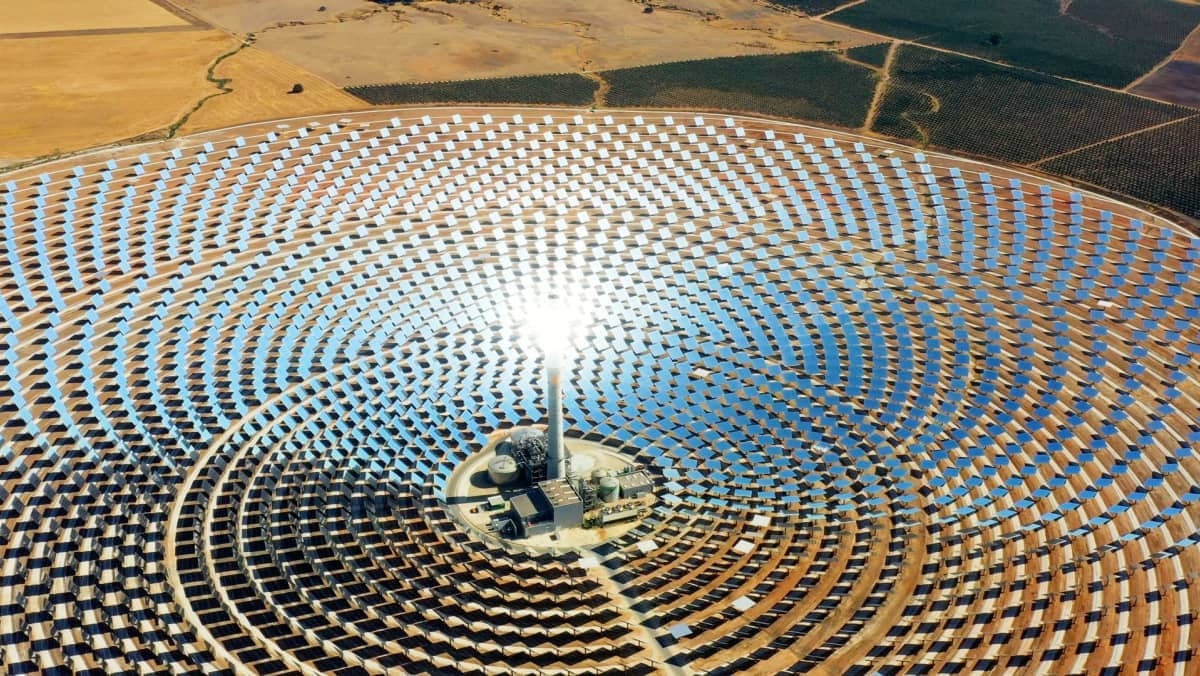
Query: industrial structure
x=543, y=505
x=551, y=505
x=898, y=412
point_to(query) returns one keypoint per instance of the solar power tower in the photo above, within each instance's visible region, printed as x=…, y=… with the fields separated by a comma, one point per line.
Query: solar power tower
x=554, y=324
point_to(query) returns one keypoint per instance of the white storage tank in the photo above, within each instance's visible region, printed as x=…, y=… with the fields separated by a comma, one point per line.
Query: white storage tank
x=503, y=470
x=608, y=489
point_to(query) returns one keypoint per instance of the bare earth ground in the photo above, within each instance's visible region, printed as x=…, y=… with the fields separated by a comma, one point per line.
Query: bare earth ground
x=114, y=76
x=260, y=82
x=66, y=93
x=62, y=93
x=362, y=43
x=242, y=16
x=39, y=16
x=1190, y=49
x=1177, y=82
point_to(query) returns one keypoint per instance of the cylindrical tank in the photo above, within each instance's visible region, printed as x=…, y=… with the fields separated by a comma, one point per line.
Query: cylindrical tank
x=608, y=489
x=502, y=470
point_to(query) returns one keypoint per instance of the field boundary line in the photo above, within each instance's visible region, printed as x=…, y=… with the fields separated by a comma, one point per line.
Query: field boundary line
x=182, y=13
x=94, y=156
x=881, y=88
x=1170, y=57
x=84, y=32
x=603, y=87
x=222, y=84
x=917, y=42
x=1118, y=137
x=469, y=79
x=839, y=8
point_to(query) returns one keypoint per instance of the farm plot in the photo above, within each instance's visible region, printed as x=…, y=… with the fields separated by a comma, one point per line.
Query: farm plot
x=1109, y=43
x=1010, y=114
x=810, y=7
x=816, y=86
x=1175, y=82
x=872, y=55
x=565, y=89
x=1159, y=166
x=59, y=94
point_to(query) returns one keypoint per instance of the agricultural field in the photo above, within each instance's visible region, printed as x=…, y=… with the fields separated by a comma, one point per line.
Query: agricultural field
x=815, y=86
x=356, y=42
x=810, y=7
x=1010, y=114
x=1102, y=41
x=60, y=94
x=1158, y=166
x=65, y=16
x=79, y=74
x=1152, y=21
x=899, y=113
x=240, y=16
x=872, y=55
x=1177, y=82
x=566, y=89
x=259, y=85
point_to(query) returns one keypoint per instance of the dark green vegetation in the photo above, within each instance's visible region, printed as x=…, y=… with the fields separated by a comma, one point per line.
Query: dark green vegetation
x=956, y=103
x=873, y=55
x=1160, y=166
x=1110, y=42
x=1157, y=21
x=1010, y=114
x=810, y=7
x=566, y=89
x=815, y=86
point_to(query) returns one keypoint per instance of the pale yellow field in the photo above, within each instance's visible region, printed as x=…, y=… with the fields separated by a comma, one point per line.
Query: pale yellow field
x=66, y=93
x=360, y=43
x=260, y=82
x=133, y=83
x=249, y=16
x=40, y=16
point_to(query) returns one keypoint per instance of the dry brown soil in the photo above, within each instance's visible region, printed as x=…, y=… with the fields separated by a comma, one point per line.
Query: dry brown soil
x=260, y=82
x=363, y=43
x=40, y=16
x=65, y=93
x=133, y=83
x=1190, y=49
x=1177, y=82
x=249, y=16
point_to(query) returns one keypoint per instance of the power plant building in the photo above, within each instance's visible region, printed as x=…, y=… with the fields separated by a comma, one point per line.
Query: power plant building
x=635, y=484
x=551, y=505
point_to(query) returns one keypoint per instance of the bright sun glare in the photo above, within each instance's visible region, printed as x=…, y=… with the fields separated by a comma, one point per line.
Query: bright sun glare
x=556, y=321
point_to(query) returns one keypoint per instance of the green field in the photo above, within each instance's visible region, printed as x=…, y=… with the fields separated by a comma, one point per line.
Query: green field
x=566, y=89
x=952, y=102
x=1153, y=21
x=1010, y=114
x=1109, y=42
x=816, y=86
x=810, y=7
x=873, y=55
x=1159, y=166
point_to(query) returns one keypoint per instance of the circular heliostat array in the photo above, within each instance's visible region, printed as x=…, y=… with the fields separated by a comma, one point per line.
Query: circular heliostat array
x=905, y=413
